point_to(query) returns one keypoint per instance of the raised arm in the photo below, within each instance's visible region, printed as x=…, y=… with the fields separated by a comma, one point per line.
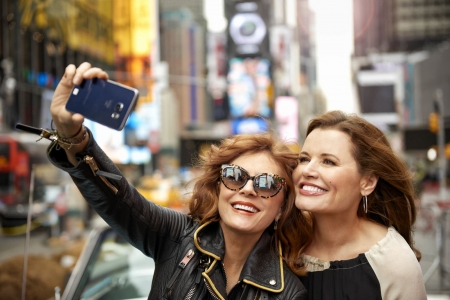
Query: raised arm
x=68, y=125
x=147, y=226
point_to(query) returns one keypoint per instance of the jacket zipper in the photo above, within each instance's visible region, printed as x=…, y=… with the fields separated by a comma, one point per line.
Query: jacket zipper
x=226, y=278
x=186, y=259
x=191, y=292
x=211, y=291
x=101, y=174
x=204, y=262
x=194, y=286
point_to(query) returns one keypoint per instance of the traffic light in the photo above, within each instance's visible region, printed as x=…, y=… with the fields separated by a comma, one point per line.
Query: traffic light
x=433, y=122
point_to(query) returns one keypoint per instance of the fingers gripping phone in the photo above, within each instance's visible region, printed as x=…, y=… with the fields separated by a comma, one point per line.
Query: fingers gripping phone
x=103, y=101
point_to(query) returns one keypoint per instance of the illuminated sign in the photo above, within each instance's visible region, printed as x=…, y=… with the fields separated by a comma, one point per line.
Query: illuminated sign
x=247, y=28
x=247, y=31
x=286, y=114
x=248, y=126
x=248, y=87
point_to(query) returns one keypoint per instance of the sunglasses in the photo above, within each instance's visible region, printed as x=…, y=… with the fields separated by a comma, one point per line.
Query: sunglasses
x=266, y=185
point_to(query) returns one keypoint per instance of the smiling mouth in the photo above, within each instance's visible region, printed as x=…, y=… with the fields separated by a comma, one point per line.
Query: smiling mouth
x=245, y=208
x=312, y=189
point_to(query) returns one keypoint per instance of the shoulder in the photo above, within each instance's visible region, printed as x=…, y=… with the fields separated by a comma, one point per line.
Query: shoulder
x=395, y=264
x=392, y=248
x=392, y=254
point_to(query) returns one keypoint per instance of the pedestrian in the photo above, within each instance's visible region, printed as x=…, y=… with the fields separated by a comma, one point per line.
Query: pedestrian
x=360, y=196
x=239, y=240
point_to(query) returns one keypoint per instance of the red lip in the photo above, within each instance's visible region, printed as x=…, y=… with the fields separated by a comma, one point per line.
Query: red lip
x=249, y=204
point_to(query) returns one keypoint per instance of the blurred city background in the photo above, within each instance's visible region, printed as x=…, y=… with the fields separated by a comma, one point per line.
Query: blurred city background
x=205, y=70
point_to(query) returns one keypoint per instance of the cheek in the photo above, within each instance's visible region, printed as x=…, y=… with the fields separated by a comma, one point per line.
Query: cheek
x=277, y=203
x=225, y=194
x=296, y=174
x=222, y=190
x=342, y=185
x=222, y=203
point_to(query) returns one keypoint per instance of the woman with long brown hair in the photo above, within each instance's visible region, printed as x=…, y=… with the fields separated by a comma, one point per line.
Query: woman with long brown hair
x=360, y=197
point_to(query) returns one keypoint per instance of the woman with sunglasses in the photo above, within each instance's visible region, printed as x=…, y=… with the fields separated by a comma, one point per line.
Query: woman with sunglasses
x=361, y=199
x=240, y=239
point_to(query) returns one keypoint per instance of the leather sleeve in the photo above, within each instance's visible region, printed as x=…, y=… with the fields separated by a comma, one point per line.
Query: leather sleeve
x=301, y=295
x=156, y=231
x=293, y=286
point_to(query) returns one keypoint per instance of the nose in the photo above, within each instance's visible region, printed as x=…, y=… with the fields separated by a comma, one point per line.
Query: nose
x=248, y=188
x=309, y=170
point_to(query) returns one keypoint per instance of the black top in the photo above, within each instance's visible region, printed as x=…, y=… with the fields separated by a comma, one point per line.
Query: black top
x=388, y=271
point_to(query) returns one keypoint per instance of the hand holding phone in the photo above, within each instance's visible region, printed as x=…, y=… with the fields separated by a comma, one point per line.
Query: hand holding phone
x=103, y=101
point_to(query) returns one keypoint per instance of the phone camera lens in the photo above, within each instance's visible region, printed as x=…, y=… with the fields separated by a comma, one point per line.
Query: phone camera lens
x=119, y=107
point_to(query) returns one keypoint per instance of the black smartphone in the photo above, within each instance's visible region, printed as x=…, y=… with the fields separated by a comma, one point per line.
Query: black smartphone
x=103, y=101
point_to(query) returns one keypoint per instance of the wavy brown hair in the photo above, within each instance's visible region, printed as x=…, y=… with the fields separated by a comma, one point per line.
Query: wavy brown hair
x=392, y=201
x=293, y=229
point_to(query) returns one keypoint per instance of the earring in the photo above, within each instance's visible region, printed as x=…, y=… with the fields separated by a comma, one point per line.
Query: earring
x=276, y=224
x=365, y=203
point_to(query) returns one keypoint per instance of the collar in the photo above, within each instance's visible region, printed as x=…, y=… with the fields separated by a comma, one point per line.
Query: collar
x=264, y=266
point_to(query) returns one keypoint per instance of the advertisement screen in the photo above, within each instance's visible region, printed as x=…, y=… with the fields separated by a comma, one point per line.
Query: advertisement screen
x=286, y=115
x=248, y=87
x=377, y=98
x=249, y=126
x=247, y=28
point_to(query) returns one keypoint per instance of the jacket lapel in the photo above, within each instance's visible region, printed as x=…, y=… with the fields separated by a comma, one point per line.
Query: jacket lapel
x=263, y=268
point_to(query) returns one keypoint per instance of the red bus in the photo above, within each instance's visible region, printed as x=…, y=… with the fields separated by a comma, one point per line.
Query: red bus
x=14, y=171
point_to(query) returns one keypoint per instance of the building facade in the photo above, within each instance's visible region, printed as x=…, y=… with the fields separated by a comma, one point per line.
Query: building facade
x=38, y=40
x=399, y=25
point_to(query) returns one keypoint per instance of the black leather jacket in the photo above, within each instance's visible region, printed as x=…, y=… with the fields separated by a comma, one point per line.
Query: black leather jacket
x=188, y=257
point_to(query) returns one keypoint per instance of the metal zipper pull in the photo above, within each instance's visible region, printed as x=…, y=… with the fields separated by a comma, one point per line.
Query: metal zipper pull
x=97, y=172
x=101, y=174
x=91, y=162
x=186, y=259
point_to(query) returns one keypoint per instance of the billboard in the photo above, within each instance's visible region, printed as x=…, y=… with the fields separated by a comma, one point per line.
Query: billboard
x=286, y=115
x=379, y=94
x=216, y=58
x=247, y=28
x=134, y=42
x=280, y=48
x=249, y=85
x=82, y=25
x=377, y=98
x=249, y=125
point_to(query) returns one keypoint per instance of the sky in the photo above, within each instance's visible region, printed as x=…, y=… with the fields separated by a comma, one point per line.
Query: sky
x=334, y=46
x=334, y=39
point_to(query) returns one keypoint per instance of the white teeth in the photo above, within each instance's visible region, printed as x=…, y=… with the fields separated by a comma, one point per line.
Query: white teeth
x=312, y=189
x=245, y=207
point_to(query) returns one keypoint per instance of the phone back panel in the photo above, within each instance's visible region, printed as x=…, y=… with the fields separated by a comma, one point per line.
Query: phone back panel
x=103, y=101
